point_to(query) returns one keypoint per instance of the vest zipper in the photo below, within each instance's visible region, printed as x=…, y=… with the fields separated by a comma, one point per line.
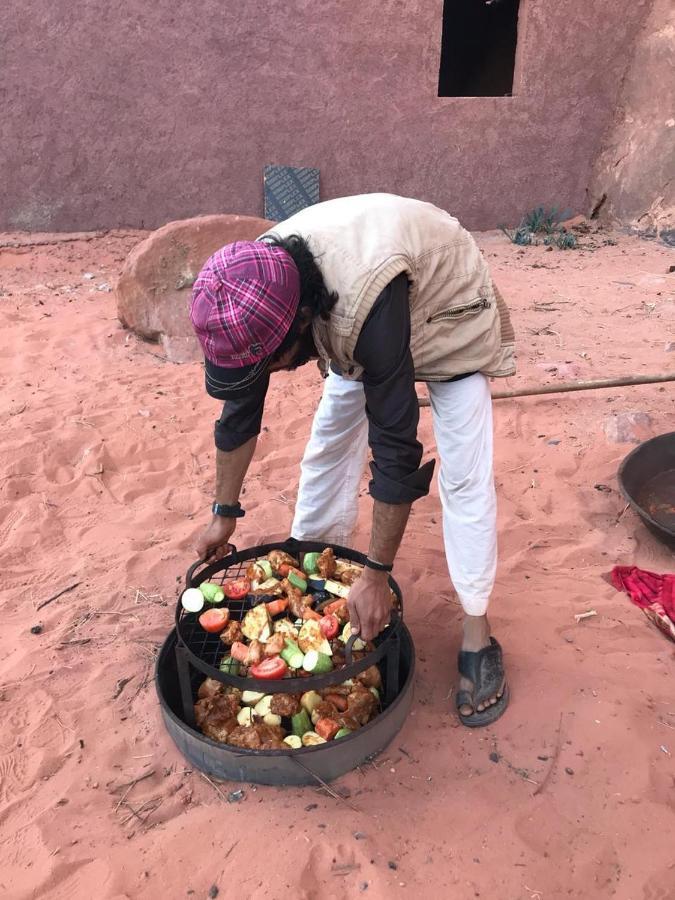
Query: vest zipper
x=458, y=311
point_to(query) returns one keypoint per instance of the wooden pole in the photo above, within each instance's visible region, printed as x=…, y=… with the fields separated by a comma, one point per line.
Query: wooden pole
x=591, y=385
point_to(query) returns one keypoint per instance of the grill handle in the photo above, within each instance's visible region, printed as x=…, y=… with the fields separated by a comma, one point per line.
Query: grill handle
x=349, y=646
x=202, y=562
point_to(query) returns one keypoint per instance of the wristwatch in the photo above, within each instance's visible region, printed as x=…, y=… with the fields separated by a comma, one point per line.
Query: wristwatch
x=228, y=512
x=377, y=566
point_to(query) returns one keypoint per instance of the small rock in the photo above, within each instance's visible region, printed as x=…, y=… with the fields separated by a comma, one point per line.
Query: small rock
x=669, y=347
x=144, y=412
x=213, y=891
x=494, y=757
x=363, y=886
x=569, y=640
x=311, y=806
x=605, y=488
x=36, y=629
x=392, y=865
x=359, y=836
x=88, y=275
x=542, y=758
x=628, y=427
x=569, y=771
x=105, y=287
x=235, y=796
x=553, y=442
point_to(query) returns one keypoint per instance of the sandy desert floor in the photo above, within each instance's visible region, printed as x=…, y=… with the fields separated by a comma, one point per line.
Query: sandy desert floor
x=106, y=475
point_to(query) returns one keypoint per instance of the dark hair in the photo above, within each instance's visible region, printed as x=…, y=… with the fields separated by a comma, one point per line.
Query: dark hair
x=314, y=295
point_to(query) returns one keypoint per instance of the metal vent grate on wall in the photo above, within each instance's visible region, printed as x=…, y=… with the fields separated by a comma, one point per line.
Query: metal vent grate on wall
x=288, y=190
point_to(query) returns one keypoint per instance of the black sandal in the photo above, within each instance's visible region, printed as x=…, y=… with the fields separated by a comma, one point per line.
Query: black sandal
x=485, y=668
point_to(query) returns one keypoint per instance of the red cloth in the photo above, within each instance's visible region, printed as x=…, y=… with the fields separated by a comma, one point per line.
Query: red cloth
x=653, y=593
x=646, y=588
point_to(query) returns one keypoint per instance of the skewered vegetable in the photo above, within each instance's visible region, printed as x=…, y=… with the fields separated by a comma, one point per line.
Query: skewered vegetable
x=273, y=667
x=317, y=663
x=212, y=592
x=214, y=620
x=255, y=622
x=237, y=589
x=310, y=563
x=192, y=600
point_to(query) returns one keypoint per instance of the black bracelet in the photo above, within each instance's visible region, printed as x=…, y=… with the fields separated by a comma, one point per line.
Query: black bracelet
x=228, y=512
x=378, y=567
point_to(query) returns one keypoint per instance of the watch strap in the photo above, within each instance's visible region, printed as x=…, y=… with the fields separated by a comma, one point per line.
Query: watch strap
x=377, y=566
x=228, y=512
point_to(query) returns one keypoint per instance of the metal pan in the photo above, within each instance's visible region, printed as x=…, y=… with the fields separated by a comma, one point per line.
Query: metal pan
x=647, y=481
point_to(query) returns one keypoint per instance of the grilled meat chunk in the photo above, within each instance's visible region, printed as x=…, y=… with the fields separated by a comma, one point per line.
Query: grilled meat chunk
x=231, y=633
x=285, y=704
x=326, y=563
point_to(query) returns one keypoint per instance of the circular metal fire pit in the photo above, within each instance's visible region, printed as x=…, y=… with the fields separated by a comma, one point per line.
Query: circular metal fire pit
x=294, y=767
x=189, y=654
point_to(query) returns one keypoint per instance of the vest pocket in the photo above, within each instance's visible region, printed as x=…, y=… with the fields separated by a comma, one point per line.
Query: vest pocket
x=472, y=308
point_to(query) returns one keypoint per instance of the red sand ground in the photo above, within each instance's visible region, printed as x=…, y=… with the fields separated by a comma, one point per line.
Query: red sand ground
x=107, y=473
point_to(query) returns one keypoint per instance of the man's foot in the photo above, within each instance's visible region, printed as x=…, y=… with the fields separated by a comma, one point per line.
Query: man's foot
x=486, y=668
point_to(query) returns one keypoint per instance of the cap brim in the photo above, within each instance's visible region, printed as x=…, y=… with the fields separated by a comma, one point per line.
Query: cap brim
x=231, y=384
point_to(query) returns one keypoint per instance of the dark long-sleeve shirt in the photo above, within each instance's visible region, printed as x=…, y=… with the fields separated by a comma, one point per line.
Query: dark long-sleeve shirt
x=383, y=350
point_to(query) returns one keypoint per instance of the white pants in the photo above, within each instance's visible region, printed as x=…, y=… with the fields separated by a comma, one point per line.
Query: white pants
x=335, y=459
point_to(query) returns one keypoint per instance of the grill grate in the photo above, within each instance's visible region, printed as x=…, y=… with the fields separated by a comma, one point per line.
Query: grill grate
x=197, y=649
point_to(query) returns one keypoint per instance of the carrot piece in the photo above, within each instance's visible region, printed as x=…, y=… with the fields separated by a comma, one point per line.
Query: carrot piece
x=340, y=703
x=274, y=607
x=239, y=651
x=327, y=729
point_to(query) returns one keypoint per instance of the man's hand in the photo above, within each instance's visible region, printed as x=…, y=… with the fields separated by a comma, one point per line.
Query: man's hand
x=370, y=604
x=214, y=542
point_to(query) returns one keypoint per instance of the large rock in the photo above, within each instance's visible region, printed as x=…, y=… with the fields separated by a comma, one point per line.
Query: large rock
x=154, y=288
x=633, y=178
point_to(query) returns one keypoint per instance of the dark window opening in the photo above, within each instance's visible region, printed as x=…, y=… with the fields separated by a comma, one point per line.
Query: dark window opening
x=478, y=48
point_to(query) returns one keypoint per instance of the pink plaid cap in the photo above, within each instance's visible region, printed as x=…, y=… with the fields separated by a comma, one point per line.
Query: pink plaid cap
x=243, y=302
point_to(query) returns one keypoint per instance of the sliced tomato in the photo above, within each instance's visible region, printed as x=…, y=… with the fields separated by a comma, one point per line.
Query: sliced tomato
x=273, y=667
x=214, y=620
x=284, y=569
x=329, y=626
x=237, y=589
x=274, y=607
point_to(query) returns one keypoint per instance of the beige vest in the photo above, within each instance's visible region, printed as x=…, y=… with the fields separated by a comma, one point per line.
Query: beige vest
x=459, y=322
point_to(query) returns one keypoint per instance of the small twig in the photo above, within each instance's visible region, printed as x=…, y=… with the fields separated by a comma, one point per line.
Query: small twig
x=622, y=514
x=554, y=759
x=579, y=617
x=230, y=850
x=667, y=724
x=76, y=641
x=149, y=807
x=215, y=787
x=131, y=785
x=8, y=684
x=60, y=594
x=325, y=786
